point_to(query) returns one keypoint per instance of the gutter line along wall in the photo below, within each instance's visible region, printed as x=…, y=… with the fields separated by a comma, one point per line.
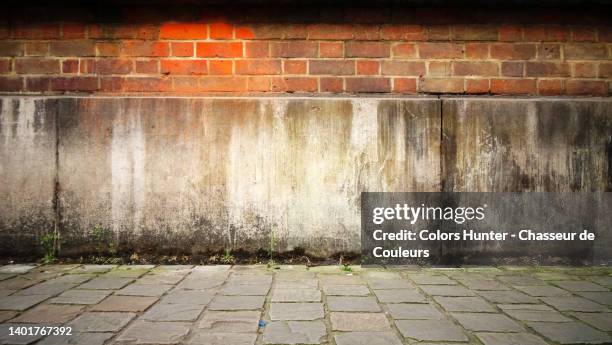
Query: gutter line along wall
x=197, y=174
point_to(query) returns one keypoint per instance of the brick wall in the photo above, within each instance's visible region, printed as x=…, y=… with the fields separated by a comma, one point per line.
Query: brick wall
x=335, y=50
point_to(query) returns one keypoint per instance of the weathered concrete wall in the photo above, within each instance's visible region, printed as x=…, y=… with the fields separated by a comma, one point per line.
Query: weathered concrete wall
x=27, y=172
x=206, y=174
x=523, y=145
x=528, y=145
x=197, y=174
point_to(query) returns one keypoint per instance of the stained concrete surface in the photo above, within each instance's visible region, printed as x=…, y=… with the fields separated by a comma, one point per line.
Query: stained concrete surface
x=194, y=174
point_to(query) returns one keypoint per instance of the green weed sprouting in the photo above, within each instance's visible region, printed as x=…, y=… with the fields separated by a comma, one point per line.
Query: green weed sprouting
x=47, y=241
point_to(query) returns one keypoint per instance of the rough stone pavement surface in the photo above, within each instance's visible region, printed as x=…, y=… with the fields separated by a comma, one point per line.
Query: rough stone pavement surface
x=254, y=305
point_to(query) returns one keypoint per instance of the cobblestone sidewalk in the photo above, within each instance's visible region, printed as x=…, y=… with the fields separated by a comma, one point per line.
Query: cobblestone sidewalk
x=246, y=305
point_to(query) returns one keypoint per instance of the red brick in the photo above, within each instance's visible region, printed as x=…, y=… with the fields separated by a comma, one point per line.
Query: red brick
x=513, y=86
x=294, y=84
x=258, y=84
x=510, y=33
x=368, y=85
x=331, y=85
x=36, y=48
x=512, y=69
x=330, y=32
x=438, y=33
x=605, y=34
x=331, y=49
x=107, y=49
x=405, y=85
x=72, y=48
x=258, y=66
x=548, y=51
x=477, y=86
x=546, y=69
x=183, y=31
x=38, y=84
x=186, y=84
x=111, y=84
x=475, y=33
x=545, y=33
x=333, y=67
x=295, y=67
x=221, y=31
x=219, y=49
x=399, y=32
x=605, y=70
x=441, y=85
x=182, y=48
x=367, y=49
x=8, y=48
x=585, y=51
x=584, y=34
x=223, y=84
x=414, y=68
x=440, y=50
x=11, y=84
x=585, y=70
x=471, y=68
x=586, y=87
x=113, y=66
x=301, y=49
x=147, y=84
x=366, y=32
x=145, y=49
x=73, y=30
x=243, y=32
x=550, y=87
x=74, y=84
x=147, y=66
x=37, y=66
x=280, y=31
x=5, y=66
x=124, y=31
x=87, y=66
x=404, y=50
x=184, y=67
x=70, y=66
x=36, y=31
x=439, y=69
x=368, y=67
x=512, y=51
x=477, y=51
x=220, y=67
x=257, y=49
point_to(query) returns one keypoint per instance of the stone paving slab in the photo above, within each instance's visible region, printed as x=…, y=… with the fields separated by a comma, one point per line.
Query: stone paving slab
x=125, y=303
x=484, y=322
x=365, y=338
x=253, y=305
x=81, y=297
x=570, y=333
x=204, y=338
x=431, y=330
x=296, y=311
x=243, y=321
x=400, y=296
x=295, y=332
x=142, y=332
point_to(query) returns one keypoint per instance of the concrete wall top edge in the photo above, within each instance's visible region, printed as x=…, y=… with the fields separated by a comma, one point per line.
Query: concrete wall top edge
x=320, y=97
